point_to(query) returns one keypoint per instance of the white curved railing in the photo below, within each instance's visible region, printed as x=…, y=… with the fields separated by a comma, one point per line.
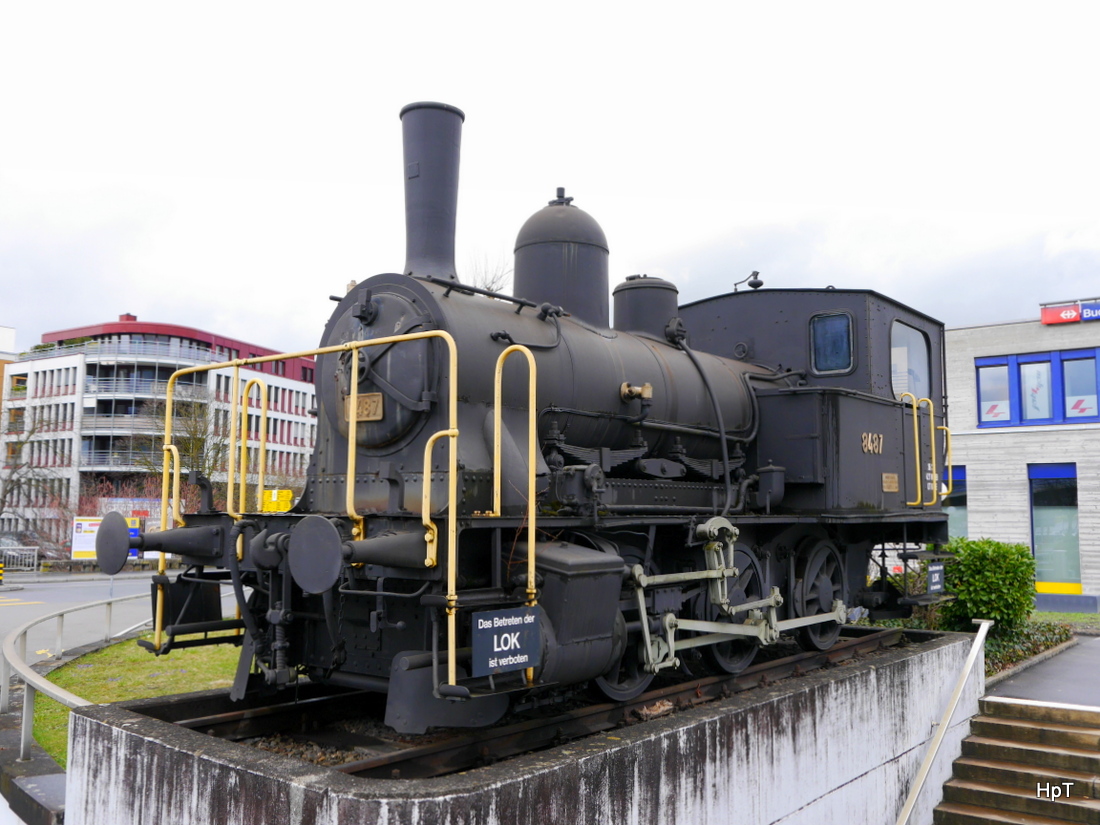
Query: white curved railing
x=14, y=657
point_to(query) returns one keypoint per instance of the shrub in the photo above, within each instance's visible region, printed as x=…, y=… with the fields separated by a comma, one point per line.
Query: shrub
x=990, y=580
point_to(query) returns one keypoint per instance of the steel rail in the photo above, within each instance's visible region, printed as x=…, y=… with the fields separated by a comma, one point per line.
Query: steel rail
x=398, y=759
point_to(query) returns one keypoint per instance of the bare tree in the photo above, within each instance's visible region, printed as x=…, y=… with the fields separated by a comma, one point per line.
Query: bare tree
x=198, y=433
x=25, y=484
x=491, y=273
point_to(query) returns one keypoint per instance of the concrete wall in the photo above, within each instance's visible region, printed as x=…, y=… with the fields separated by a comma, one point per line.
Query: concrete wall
x=996, y=459
x=832, y=748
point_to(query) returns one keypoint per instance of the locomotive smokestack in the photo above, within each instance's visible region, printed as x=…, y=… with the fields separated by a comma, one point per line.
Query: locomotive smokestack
x=432, y=136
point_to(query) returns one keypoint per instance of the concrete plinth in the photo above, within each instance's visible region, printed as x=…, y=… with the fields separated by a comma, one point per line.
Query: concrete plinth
x=836, y=746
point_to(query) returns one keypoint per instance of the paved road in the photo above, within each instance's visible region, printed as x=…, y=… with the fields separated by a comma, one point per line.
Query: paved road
x=38, y=598
x=46, y=594
x=1069, y=678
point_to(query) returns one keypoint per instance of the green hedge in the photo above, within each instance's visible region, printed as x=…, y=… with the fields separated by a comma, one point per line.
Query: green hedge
x=991, y=580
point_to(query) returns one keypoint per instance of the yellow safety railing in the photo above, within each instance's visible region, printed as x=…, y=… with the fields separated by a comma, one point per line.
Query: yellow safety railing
x=916, y=448
x=431, y=531
x=532, y=454
x=261, y=459
x=935, y=485
x=915, y=405
x=171, y=460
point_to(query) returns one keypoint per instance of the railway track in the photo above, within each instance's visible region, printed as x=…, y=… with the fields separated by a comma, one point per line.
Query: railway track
x=378, y=755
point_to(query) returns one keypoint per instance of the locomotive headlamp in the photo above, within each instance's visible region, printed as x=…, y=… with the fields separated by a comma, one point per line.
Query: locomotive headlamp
x=752, y=280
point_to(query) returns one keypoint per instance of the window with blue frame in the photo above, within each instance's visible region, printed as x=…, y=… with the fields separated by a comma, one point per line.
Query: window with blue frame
x=954, y=504
x=1054, y=530
x=1038, y=388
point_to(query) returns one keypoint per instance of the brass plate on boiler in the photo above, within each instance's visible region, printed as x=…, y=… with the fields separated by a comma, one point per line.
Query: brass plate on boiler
x=890, y=482
x=368, y=407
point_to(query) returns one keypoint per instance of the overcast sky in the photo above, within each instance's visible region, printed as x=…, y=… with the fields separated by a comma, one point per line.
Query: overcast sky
x=229, y=166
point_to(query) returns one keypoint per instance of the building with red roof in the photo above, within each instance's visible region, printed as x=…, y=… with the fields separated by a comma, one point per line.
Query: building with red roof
x=86, y=408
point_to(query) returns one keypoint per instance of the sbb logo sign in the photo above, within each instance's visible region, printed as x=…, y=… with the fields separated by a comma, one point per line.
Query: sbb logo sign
x=1061, y=315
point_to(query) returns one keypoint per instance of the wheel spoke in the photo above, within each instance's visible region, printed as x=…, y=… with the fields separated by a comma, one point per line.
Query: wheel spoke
x=822, y=579
x=747, y=586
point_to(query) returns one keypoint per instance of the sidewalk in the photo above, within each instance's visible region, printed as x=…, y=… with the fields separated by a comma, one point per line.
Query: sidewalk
x=1072, y=677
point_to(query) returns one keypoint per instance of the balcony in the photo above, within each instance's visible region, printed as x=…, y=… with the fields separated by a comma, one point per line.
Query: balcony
x=122, y=423
x=105, y=351
x=141, y=386
x=141, y=459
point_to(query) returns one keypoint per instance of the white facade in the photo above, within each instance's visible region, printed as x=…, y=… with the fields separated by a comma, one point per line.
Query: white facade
x=1038, y=429
x=96, y=410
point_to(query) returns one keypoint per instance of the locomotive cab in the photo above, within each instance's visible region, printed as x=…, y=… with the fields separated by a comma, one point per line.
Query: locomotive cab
x=862, y=436
x=864, y=428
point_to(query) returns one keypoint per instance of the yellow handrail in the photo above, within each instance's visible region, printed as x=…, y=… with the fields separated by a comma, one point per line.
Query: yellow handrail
x=935, y=485
x=532, y=452
x=262, y=456
x=431, y=532
x=947, y=469
x=231, y=470
x=532, y=442
x=916, y=404
x=916, y=447
x=171, y=458
x=349, y=346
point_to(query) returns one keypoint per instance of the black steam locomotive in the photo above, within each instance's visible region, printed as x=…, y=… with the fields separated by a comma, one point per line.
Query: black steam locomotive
x=510, y=495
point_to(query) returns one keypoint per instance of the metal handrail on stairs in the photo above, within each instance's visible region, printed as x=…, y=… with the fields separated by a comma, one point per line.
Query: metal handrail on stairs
x=941, y=729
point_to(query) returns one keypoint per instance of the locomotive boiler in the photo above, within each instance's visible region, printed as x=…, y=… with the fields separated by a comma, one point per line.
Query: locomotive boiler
x=510, y=495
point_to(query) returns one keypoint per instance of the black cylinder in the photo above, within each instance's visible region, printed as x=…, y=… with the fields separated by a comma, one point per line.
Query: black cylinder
x=390, y=549
x=561, y=258
x=432, y=136
x=645, y=305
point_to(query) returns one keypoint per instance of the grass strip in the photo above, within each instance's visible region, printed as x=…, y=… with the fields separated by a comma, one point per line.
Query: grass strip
x=1084, y=621
x=125, y=671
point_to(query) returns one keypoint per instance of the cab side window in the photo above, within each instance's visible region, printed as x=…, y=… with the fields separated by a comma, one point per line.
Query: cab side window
x=909, y=361
x=831, y=343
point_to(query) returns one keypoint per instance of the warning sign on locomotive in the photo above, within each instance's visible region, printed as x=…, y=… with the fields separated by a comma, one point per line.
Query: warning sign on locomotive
x=505, y=640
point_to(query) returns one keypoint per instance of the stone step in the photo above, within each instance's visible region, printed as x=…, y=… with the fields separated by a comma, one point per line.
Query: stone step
x=1045, y=733
x=1008, y=798
x=1025, y=776
x=1077, y=715
x=952, y=813
x=1047, y=756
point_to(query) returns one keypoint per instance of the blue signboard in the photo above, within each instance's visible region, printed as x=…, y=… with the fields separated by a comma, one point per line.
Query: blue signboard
x=935, y=577
x=1090, y=312
x=505, y=640
x=135, y=533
